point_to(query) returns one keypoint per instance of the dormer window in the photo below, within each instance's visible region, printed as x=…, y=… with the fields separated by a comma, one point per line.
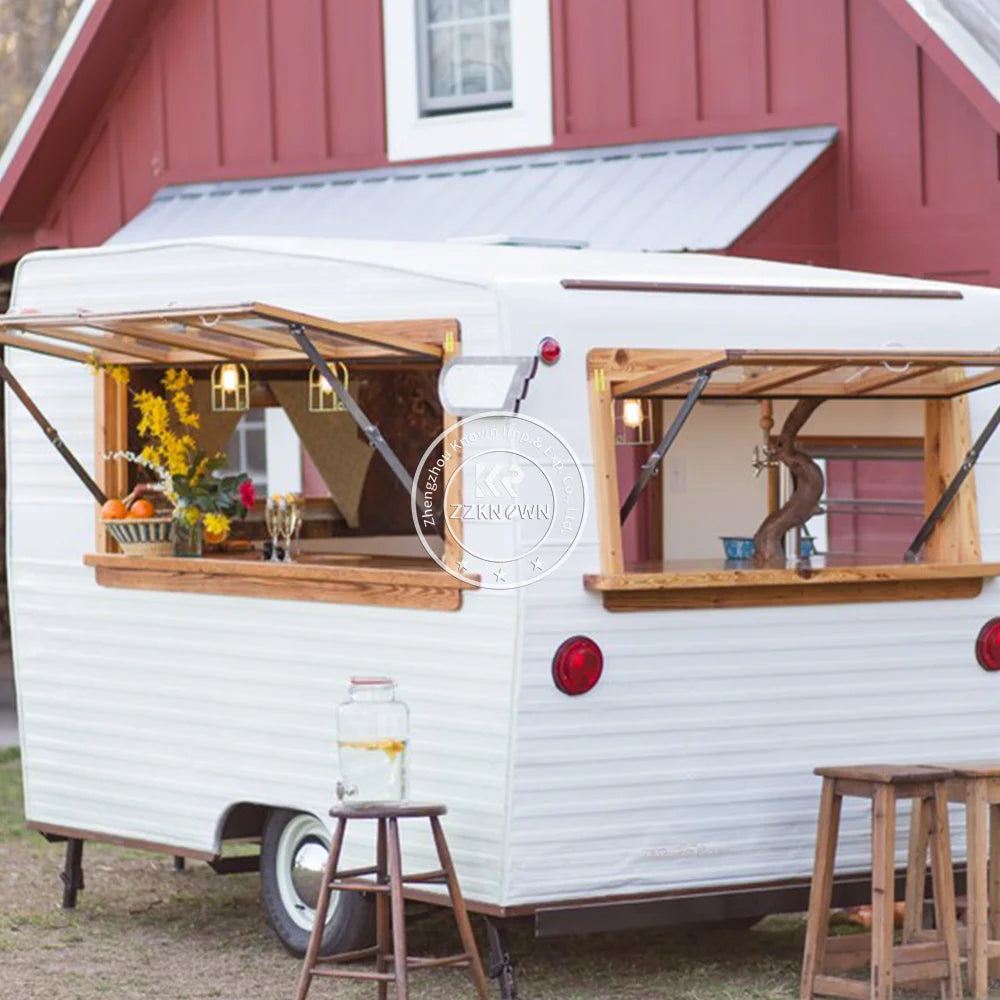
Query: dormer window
x=464, y=55
x=466, y=76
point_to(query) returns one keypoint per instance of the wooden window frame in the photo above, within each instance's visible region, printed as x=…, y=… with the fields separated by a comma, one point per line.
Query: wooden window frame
x=951, y=566
x=374, y=581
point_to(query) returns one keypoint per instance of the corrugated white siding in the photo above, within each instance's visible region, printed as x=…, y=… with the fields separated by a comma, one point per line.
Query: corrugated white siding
x=147, y=715
x=690, y=764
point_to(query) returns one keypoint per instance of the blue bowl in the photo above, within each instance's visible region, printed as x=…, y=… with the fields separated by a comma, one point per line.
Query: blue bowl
x=736, y=547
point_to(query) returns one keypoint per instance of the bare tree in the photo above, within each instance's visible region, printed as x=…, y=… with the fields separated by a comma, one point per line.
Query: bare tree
x=30, y=30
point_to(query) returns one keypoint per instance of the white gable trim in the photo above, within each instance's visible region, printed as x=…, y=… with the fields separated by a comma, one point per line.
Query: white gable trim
x=966, y=47
x=49, y=77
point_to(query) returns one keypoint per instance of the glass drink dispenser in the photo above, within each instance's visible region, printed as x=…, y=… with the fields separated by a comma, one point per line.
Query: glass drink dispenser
x=372, y=732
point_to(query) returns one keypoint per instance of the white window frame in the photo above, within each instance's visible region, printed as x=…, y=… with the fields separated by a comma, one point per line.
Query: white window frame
x=525, y=124
x=446, y=105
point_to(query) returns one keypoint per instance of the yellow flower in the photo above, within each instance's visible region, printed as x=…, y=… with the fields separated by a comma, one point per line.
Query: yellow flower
x=119, y=373
x=216, y=524
x=177, y=379
x=192, y=515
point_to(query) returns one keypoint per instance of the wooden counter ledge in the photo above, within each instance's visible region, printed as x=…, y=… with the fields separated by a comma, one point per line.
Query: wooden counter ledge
x=714, y=583
x=338, y=579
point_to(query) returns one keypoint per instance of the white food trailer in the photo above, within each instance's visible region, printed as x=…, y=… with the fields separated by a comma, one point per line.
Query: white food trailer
x=177, y=707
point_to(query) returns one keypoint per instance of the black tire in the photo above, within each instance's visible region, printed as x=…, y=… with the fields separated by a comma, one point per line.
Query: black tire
x=351, y=921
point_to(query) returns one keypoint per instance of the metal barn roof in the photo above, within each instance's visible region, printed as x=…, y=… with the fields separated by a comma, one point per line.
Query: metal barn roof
x=694, y=194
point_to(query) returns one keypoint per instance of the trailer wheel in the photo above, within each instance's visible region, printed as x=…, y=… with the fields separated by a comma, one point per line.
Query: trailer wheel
x=294, y=851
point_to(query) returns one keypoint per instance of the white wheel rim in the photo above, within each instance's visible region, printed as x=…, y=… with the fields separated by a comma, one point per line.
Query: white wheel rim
x=299, y=832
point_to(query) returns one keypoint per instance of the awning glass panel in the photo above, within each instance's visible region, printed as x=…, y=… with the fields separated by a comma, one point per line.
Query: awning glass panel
x=770, y=374
x=250, y=332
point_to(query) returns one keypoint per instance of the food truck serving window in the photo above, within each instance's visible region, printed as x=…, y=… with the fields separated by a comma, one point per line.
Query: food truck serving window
x=733, y=455
x=359, y=405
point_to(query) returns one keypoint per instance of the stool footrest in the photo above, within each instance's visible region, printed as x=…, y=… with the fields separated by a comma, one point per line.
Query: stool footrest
x=436, y=876
x=415, y=962
x=837, y=986
x=349, y=956
x=356, y=872
x=358, y=885
x=368, y=974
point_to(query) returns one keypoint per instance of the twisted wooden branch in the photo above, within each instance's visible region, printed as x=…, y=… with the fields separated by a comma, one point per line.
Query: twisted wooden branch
x=808, y=479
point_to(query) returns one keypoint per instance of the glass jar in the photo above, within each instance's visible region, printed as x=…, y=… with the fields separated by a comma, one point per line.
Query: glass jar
x=187, y=534
x=372, y=732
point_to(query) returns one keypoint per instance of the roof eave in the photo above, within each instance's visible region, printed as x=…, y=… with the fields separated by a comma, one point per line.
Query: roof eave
x=73, y=89
x=949, y=62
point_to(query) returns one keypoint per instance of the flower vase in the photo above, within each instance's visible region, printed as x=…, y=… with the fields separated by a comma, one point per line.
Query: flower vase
x=187, y=537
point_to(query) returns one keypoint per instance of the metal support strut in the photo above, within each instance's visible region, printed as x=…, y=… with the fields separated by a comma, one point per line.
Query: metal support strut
x=501, y=965
x=52, y=434
x=72, y=874
x=652, y=464
x=930, y=523
x=370, y=430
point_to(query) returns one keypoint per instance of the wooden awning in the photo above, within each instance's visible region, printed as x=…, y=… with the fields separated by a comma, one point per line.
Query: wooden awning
x=767, y=374
x=251, y=332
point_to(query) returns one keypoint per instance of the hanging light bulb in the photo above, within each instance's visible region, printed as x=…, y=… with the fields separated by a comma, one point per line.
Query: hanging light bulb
x=633, y=421
x=322, y=397
x=230, y=387
x=632, y=415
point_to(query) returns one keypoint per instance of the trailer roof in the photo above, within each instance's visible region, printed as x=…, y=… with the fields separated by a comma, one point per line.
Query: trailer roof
x=488, y=265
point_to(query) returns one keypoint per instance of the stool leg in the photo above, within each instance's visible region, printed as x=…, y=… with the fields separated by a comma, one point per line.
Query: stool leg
x=976, y=824
x=944, y=890
x=883, y=890
x=382, y=912
x=398, y=912
x=322, y=905
x=821, y=891
x=916, y=872
x=994, y=880
x=461, y=914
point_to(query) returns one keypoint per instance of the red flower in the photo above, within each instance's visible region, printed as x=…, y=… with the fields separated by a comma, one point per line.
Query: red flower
x=247, y=493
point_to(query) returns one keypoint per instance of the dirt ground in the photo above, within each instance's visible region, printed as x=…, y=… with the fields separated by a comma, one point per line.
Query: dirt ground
x=143, y=931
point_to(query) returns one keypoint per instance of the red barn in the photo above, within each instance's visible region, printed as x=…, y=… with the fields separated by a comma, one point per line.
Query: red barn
x=856, y=133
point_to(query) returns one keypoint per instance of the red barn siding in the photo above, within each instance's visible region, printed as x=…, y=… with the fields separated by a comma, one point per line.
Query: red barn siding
x=230, y=88
x=234, y=88
x=732, y=66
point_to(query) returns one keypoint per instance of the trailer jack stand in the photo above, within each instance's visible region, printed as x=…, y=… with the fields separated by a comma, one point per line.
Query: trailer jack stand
x=501, y=965
x=72, y=874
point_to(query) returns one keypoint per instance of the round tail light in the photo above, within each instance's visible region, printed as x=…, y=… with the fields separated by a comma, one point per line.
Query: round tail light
x=549, y=350
x=577, y=665
x=988, y=645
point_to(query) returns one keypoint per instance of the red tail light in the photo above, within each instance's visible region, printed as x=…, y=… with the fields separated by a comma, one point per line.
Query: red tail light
x=549, y=350
x=988, y=645
x=577, y=665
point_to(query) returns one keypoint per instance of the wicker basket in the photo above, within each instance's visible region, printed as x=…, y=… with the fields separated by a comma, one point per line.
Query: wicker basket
x=143, y=536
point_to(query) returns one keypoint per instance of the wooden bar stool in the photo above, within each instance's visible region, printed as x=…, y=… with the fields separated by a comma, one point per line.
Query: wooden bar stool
x=976, y=785
x=390, y=947
x=935, y=956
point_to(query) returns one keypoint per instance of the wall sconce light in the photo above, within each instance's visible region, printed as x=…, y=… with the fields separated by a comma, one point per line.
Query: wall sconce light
x=322, y=398
x=634, y=421
x=230, y=387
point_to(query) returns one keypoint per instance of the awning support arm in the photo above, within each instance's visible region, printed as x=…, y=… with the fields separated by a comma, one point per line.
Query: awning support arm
x=370, y=430
x=652, y=464
x=930, y=523
x=52, y=434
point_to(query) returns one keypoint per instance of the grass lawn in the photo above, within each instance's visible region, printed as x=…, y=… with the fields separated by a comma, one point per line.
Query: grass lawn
x=143, y=931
